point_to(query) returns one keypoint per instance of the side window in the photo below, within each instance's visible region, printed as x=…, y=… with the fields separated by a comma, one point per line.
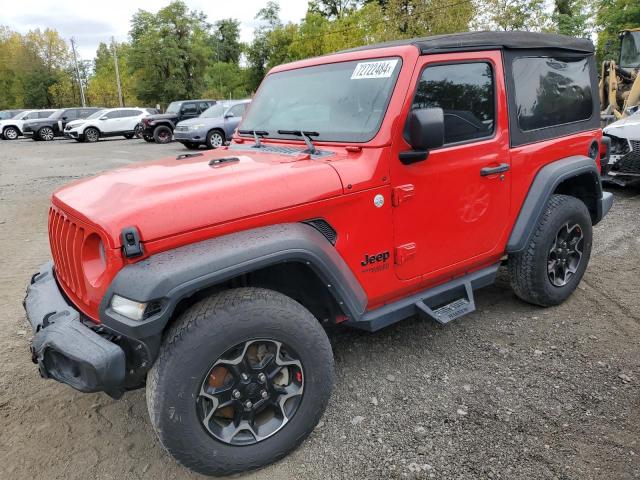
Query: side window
x=237, y=110
x=41, y=114
x=33, y=115
x=71, y=115
x=114, y=114
x=189, y=109
x=466, y=94
x=203, y=106
x=86, y=112
x=551, y=91
x=130, y=113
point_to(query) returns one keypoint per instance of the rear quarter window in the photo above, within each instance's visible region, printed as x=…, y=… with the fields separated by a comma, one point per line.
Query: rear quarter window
x=551, y=91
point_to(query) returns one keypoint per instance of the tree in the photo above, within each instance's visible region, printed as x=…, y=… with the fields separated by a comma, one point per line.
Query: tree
x=529, y=15
x=333, y=9
x=612, y=16
x=169, y=53
x=571, y=17
x=102, y=88
x=226, y=44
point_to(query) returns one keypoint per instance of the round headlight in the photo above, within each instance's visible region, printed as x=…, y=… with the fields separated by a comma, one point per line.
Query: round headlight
x=94, y=258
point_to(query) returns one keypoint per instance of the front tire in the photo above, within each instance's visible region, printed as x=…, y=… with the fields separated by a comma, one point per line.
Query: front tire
x=10, y=133
x=162, y=134
x=148, y=139
x=91, y=135
x=214, y=355
x=215, y=139
x=46, y=134
x=551, y=266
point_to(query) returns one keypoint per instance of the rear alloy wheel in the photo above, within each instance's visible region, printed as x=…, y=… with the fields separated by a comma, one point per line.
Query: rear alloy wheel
x=552, y=264
x=162, y=134
x=11, y=133
x=226, y=403
x=91, y=135
x=46, y=134
x=215, y=139
x=137, y=131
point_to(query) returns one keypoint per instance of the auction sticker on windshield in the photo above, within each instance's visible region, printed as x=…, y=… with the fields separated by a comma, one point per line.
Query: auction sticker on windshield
x=378, y=69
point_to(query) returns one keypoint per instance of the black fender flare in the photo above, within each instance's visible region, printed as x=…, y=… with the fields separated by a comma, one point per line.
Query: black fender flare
x=544, y=184
x=170, y=276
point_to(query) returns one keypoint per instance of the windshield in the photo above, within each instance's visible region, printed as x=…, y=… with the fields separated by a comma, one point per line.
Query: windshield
x=630, y=50
x=215, y=111
x=174, y=107
x=98, y=114
x=342, y=102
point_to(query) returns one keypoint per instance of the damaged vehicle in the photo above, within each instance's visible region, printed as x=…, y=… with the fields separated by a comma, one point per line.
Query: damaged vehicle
x=623, y=166
x=362, y=188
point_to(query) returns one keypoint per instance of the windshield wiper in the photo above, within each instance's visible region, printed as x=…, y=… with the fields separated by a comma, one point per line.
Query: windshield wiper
x=256, y=136
x=306, y=135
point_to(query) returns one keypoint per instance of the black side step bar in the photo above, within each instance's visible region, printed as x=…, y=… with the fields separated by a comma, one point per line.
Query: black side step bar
x=442, y=303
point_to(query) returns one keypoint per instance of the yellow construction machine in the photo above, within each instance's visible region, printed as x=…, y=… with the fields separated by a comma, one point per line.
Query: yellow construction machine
x=620, y=82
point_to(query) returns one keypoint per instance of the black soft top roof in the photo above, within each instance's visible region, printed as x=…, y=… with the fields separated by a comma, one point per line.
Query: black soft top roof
x=490, y=40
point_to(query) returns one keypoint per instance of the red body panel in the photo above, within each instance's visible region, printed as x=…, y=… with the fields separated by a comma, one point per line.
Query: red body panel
x=456, y=220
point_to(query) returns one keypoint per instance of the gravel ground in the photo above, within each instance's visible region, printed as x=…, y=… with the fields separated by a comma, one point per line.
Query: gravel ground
x=511, y=391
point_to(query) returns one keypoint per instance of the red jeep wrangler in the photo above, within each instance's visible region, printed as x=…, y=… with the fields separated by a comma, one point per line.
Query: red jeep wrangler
x=362, y=188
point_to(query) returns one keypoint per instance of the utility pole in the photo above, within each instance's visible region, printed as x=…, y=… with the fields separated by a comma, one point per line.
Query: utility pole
x=115, y=59
x=75, y=60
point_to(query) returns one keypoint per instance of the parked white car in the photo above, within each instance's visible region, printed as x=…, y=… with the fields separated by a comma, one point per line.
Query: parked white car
x=110, y=122
x=11, y=128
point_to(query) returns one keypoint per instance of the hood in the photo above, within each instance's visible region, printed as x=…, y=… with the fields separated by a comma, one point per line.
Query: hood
x=628, y=127
x=199, y=120
x=168, y=197
x=160, y=116
x=75, y=123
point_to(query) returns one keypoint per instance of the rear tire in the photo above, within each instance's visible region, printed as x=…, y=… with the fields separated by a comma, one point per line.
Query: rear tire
x=137, y=131
x=91, y=135
x=10, y=133
x=551, y=266
x=191, y=353
x=162, y=134
x=191, y=145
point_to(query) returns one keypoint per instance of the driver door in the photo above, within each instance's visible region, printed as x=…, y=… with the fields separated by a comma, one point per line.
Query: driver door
x=449, y=214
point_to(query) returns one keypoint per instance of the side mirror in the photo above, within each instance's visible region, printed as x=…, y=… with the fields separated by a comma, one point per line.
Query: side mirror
x=425, y=129
x=229, y=115
x=104, y=118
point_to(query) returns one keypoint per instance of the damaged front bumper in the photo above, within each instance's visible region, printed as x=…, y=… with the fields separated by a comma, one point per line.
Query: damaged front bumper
x=66, y=349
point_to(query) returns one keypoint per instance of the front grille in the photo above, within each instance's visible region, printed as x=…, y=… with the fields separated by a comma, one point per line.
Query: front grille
x=630, y=163
x=65, y=239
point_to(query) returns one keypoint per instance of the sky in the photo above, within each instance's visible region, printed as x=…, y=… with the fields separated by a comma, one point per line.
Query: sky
x=90, y=23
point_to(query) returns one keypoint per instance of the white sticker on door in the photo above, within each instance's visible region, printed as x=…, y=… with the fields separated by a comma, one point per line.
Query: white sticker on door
x=379, y=69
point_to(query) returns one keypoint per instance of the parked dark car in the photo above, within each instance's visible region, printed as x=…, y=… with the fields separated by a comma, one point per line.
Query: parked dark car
x=53, y=126
x=214, y=127
x=159, y=128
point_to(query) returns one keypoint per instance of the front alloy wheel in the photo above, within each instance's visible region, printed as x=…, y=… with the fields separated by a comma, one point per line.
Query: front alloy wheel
x=46, y=134
x=565, y=254
x=10, y=133
x=241, y=378
x=251, y=392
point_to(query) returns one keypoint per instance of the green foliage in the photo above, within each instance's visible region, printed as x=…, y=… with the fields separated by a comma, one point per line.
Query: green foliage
x=169, y=53
x=175, y=53
x=612, y=16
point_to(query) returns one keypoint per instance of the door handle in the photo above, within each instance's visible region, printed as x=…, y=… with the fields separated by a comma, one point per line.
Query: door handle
x=486, y=171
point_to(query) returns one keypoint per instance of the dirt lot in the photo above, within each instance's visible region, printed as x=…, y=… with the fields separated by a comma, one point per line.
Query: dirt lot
x=511, y=391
